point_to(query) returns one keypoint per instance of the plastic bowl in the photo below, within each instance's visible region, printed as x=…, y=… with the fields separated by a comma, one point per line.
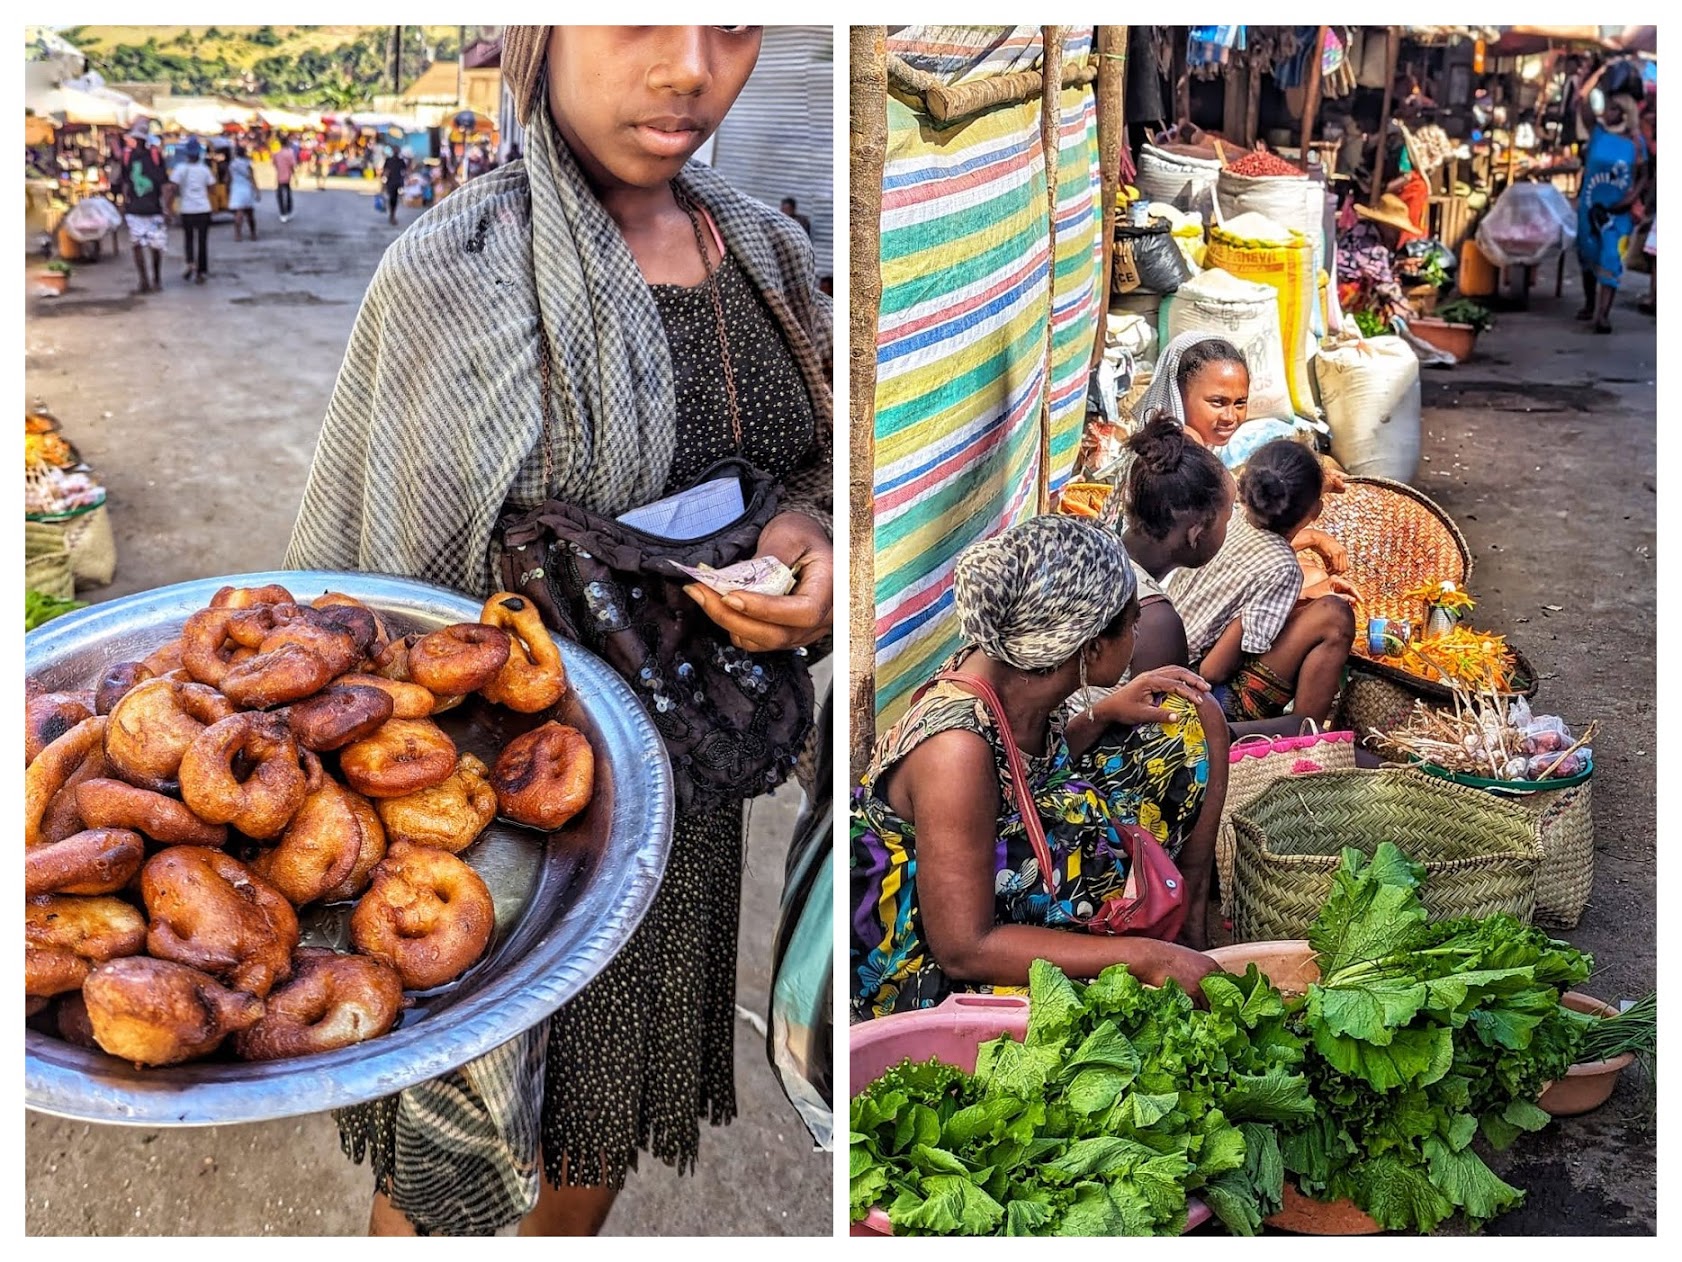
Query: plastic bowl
x=951, y=1032
x=1589, y=1084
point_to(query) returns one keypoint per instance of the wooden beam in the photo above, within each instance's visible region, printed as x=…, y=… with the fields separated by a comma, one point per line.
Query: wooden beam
x=1392, y=50
x=1311, y=106
x=868, y=106
x=1112, y=86
x=1182, y=75
x=1233, y=99
x=1051, y=144
x=1252, y=104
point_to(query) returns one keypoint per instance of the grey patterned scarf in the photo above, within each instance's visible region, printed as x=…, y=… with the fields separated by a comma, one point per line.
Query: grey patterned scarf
x=1030, y=597
x=435, y=420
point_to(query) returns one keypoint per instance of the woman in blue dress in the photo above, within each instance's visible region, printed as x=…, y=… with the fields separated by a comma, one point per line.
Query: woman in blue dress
x=1615, y=166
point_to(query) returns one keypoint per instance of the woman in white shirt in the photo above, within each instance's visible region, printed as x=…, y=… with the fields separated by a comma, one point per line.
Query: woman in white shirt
x=192, y=180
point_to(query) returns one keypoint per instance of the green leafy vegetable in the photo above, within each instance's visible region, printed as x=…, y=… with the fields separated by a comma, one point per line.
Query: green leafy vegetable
x=38, y=607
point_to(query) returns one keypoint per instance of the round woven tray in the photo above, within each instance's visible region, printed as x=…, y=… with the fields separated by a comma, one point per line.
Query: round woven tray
x=1480, y=853
x=1398, y=540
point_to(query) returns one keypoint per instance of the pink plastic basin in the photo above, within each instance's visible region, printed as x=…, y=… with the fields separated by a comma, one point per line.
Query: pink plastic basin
x=951, y=1032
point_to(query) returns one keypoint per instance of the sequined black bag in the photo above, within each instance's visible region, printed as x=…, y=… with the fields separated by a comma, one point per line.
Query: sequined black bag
x=733, y=722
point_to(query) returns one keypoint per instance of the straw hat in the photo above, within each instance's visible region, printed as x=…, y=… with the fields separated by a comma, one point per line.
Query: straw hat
x=142, y=130
x=1391, y=211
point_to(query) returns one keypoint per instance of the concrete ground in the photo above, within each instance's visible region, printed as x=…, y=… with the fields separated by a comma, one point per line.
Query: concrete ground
x=199, y=407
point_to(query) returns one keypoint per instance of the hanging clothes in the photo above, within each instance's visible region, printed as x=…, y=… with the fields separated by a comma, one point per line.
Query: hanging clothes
x=1145, y=103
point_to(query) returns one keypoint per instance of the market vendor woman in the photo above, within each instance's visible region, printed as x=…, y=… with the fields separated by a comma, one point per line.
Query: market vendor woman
x=948, y=893
x=622, y=320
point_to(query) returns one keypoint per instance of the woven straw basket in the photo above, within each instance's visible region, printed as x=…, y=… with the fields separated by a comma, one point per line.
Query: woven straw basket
x=92, y=545
x=1480, y=855
x=46, y=561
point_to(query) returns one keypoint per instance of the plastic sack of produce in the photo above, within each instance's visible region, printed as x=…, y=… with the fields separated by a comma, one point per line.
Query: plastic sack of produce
x=1183, y=181
x=1247, y=315
x=1254, y=248
x=1266, y=185
x=1126, y=333
x=1530, y=224
x=1147, y=258
x=1370, y=390
x=92, y=218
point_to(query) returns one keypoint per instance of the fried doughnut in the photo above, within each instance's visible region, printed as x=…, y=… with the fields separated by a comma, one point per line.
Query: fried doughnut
x=545, y=777
x=64, y=813
x=150, y=729
x=210, y=911
x=287, y=672
x=356, y=621
x=249, y=627
x=155, y=1012
x=94, y=861
x=73, y=1024
x=533, y=678
x=332, y=1001
x=408, y=700
x=325, y=634
x=338, y=600
x=49, y=716
x=392, y=662
x=245, y=597
x=427, y=914
x=457, y=660
x=450, y=815
x=260, y=804
x=118, y=682
x=404, y=756
x=322, y=845
x=205, y=646
x=65, y=936
x=166, y=657
x=53, y=767
x=106, y=803
x=340, y=715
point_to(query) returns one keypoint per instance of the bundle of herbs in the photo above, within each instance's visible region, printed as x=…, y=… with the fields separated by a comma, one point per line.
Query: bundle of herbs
x=1418, y=1040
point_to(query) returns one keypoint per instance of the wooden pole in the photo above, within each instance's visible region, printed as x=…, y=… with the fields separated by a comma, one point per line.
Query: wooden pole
x=1252, y=103
x=1112, y=83
x=1392, y=50
x=868, y=107
x=1182, y=74
x=1051, y=143
x=1311, y=106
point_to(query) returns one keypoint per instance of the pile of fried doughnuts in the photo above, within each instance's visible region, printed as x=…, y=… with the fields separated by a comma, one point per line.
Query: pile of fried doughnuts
x=278, y=755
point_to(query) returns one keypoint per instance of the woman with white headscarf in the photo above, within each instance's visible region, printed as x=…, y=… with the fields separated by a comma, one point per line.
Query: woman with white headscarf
x=948, y=891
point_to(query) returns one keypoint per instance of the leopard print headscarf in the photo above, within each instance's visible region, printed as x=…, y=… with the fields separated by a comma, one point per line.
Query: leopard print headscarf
x=1033, y=595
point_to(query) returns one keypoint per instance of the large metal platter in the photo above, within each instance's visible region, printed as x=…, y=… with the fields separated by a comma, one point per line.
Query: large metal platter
x=565, y=903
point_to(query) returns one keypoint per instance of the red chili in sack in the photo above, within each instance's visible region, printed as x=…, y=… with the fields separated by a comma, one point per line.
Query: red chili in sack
x=1261, y=162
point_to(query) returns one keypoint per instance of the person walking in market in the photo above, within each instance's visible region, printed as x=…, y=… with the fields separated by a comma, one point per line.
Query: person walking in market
x=650, y=322
x=285, y=164
x=392, y=175
x=242, y=193
x=1615, y=177
x=192, y=179
x=144, y=186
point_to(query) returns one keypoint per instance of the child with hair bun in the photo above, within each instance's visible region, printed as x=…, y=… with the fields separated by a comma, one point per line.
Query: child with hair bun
x=1244, y=631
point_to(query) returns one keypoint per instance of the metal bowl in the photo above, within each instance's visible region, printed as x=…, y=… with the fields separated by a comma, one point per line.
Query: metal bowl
x=565, y=902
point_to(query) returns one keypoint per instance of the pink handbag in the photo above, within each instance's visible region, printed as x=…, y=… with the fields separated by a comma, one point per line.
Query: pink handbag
x=1152, y=903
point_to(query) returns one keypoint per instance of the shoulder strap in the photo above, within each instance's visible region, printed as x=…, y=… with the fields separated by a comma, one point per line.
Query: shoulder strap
x=1018, y=772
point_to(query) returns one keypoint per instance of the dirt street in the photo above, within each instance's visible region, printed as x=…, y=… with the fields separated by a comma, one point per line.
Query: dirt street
x=1543, y=449
x=199, y=407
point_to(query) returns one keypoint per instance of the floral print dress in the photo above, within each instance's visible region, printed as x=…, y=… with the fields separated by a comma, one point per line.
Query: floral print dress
x=1154, y=776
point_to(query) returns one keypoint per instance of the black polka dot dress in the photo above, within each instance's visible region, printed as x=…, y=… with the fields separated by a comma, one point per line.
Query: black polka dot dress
x=647, y=1050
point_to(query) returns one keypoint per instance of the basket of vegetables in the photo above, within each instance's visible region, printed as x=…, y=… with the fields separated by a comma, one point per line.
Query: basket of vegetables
x=1480, y=853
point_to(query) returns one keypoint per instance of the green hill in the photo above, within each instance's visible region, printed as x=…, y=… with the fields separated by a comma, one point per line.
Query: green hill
x=321, y=66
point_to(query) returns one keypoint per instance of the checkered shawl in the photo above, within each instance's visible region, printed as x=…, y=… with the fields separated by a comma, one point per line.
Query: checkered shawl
x=435, y=421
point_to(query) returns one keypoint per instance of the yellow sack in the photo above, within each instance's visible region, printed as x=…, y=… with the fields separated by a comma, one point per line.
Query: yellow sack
x=1286, y=264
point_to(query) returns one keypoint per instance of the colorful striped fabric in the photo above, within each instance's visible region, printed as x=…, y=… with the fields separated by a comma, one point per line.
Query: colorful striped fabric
x=962, y=331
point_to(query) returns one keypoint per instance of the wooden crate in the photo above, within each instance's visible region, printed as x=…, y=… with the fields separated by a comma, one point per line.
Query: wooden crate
x=1450, y=220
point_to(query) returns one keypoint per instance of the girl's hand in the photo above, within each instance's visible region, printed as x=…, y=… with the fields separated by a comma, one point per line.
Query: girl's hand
x=1333, y=482
x=1136, y=701
x=763, y=624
